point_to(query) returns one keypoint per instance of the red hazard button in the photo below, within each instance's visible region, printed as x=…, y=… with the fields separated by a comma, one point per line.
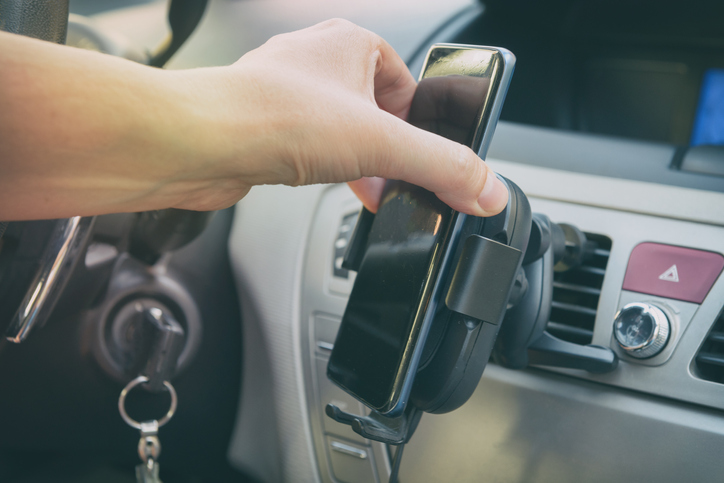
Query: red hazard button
x=672, y=272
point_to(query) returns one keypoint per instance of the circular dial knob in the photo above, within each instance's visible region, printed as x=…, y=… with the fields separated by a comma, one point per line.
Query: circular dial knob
x=641, y=329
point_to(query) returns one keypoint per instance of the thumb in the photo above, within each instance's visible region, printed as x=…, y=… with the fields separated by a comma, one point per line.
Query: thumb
x=450, y=170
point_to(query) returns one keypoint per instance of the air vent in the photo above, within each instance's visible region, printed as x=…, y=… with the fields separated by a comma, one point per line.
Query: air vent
x=710, y=358
x=576, y=293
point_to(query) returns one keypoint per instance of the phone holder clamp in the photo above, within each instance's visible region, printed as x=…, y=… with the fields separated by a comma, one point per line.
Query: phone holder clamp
x=377, y=427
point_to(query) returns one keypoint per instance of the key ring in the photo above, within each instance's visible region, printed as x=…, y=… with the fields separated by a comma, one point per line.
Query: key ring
x=141, y=380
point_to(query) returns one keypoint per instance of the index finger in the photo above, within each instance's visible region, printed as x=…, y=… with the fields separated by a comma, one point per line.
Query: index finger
x=394, y=85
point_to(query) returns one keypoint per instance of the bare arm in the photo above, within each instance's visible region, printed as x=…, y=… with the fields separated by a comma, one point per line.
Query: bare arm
x=83, y=133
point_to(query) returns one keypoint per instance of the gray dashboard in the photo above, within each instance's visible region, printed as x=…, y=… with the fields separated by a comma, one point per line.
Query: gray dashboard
x=642, y=422
x=539, y=424
x=532, y=425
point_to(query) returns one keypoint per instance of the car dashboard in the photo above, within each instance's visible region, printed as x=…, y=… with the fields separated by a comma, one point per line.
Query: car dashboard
x=597, y=131
x=654, y=419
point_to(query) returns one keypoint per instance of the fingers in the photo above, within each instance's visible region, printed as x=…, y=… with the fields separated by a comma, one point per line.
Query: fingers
x=457, y=175
x=369, y=191
x=452, y=171
x=364, y=55
x=394, y=85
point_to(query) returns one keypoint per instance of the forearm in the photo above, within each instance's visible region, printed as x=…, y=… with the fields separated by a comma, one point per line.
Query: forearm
x=84, y=133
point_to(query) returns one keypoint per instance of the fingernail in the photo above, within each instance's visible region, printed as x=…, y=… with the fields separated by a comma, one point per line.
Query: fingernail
x=494, y=196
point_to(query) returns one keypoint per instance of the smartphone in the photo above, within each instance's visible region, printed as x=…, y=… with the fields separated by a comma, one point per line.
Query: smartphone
x=413, y=236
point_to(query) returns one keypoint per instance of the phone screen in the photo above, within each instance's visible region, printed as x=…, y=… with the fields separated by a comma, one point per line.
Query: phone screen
x=391, y=292
x=396, y=290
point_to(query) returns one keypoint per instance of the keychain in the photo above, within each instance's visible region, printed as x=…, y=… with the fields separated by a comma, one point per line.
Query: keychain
x=149, y=446
x=157, y=354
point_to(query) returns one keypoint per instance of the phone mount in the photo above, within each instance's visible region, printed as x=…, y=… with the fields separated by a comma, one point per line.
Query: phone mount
x=477, y=291
x=498, y=302
x=523, y=340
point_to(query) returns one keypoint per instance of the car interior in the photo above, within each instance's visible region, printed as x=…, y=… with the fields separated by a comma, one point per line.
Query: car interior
x=613, y=128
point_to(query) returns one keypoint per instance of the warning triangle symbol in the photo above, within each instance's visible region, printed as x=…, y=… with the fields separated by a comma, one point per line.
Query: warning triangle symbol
x=670, y=275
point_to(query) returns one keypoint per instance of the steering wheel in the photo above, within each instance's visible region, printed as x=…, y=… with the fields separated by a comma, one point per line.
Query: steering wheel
x=37, y=258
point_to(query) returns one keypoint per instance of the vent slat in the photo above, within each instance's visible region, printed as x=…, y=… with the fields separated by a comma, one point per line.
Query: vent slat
x=576, y=293
x=716, y=337
x=573, y=308
x=556, y=328
x=577, y=288
x=593, y=270
x=602, y=253
x=710, y=358
x=709, y=361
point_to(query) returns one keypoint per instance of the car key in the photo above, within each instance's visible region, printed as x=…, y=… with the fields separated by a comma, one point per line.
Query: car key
x=161, y=344
x=149, y=449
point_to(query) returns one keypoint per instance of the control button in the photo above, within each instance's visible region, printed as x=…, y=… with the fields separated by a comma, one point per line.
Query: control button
x=344, y=233
x=325, y=332
x=348, y=449
x=350, y=463
x=641, y=329
x=672, y=272
x=325, y=346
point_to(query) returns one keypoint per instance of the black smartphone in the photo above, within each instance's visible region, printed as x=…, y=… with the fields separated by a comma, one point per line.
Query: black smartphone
x=414, y=234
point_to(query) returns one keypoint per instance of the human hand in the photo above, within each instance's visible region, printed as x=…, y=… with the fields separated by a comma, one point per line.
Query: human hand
x=327, y=104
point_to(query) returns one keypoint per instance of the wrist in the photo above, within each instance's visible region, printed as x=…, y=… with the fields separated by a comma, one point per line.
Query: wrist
x=223, y=139
x=186, y=136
